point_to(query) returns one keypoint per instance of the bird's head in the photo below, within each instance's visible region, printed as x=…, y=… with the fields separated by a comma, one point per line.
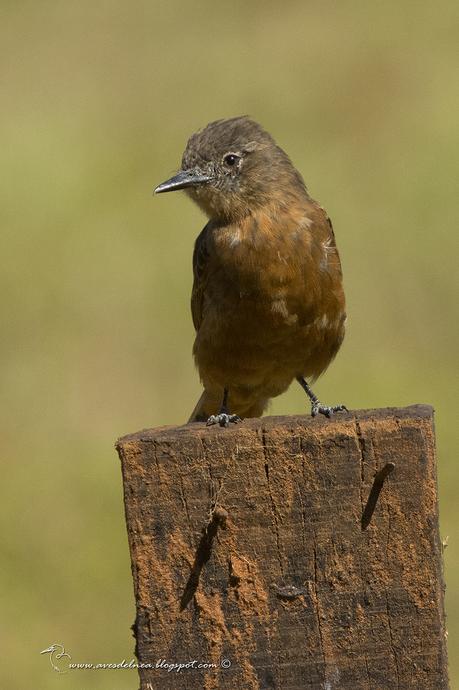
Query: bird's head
x=232, y=167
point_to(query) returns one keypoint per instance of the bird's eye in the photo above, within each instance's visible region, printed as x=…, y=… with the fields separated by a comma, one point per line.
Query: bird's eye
x=231, y=159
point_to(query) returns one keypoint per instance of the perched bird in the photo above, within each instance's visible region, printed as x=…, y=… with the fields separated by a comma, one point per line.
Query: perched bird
x=267, y=301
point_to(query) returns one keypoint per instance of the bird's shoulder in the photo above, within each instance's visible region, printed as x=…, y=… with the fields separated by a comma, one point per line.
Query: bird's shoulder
x=314, y=218
x=319, y=236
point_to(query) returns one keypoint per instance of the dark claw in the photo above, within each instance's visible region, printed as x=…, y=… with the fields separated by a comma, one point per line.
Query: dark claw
x=318, y=408
x=223, y=419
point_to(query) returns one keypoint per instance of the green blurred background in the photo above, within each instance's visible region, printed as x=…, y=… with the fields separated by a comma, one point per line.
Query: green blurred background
x=97, y=102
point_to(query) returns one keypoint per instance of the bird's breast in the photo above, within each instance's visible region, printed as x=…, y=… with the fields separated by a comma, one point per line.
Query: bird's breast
x=266, y=268
x=273, y=300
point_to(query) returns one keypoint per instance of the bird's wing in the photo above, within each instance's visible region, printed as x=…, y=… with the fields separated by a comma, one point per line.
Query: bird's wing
x=200, y=271
x=319, y=290
x=324, y=237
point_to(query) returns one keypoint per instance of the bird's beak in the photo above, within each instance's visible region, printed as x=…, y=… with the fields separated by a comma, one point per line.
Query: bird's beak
x=183, y=179
x=50, y=649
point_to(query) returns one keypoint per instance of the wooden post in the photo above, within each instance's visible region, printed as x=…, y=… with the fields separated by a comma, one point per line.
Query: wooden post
x=288, y=553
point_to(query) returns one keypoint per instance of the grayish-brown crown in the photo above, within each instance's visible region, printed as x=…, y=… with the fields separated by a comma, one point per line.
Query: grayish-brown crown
x=223, y=136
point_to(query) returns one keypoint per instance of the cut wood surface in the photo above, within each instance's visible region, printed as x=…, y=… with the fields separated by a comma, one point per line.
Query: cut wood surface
x=289, y=552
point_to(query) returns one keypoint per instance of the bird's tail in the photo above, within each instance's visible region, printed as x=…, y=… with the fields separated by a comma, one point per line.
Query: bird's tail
x=209, y=404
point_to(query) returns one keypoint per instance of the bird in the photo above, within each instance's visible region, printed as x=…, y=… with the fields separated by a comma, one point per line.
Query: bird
x=267, y=301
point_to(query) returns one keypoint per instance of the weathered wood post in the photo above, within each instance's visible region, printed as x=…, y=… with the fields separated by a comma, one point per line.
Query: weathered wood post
x=288, y=553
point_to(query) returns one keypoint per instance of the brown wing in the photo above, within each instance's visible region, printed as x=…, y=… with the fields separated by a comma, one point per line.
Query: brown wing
x=325, y=235
x=321, y=291
x=200, y=262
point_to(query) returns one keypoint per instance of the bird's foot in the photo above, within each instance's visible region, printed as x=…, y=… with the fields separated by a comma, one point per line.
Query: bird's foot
x=318, y=408
x=223, y=418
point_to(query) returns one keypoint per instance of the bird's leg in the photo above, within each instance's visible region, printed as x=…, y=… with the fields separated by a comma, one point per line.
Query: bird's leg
x=316, y=405
x=223, y=417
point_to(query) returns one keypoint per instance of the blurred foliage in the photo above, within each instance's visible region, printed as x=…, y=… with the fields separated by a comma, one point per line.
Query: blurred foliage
x=98, y=100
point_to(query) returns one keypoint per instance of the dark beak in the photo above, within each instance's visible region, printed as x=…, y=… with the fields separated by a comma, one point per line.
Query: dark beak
x=183, y=179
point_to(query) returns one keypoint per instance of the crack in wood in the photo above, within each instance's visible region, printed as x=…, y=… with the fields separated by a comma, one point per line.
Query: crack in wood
x=315, y=599
x=361, y=447
x=273, y=505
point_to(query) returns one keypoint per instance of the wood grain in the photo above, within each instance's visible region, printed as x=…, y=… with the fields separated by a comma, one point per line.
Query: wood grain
x=255, y=544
